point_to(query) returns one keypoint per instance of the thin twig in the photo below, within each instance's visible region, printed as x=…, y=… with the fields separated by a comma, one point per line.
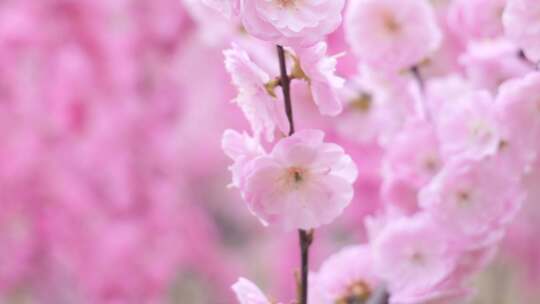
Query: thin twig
x=306, y=237
x=415, y=70
x=286, y=87
x=380, y=296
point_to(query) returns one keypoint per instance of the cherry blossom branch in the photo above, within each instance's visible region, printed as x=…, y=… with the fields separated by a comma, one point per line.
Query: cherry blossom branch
x=285, y=82
x=522, y=56
x=415, y=70
x=305, y=237
x=380, y=296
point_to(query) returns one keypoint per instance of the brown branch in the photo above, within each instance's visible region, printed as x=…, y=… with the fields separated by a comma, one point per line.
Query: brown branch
x=285, y=82
x=306, y=237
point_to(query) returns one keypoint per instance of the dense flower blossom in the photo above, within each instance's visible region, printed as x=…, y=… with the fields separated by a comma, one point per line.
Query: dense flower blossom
x=522, y=25
x=518, y=111
x=376, y=105
x=291, y=22
x=318, y=69
x=303, y=183
x=345, y=277
x=412, y=159
x=263, y=111
x=389, y=36
x=468, y=125
x=477, y=19
x=463, y=200
x=413, y=258
x=490, y=63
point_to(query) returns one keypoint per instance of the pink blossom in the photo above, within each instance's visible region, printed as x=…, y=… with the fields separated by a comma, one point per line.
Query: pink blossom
x=476, y=19
x=242, y=149
x=412, y=256
x=228, y=8
x=442, y=90
x=389, y=36
x=319, y=71
x=347, y=276
x=263, y=111
x=376, y=105
x=291, y=22
x=412, y=159
x=488, y=64
x=462, y=198
x=414, y=153
x=518, y=110
x=521, y=20
x=303, y=183
x=248, y=293
x=468, y=125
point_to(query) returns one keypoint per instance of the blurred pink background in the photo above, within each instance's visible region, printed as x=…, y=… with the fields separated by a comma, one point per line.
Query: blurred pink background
x=113, y=184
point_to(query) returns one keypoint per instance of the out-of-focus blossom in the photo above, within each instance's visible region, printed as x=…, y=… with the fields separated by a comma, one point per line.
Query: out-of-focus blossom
x=389, y=36
x=226, y=7
x=345, y=277
x=462, y=199
x=376, y=106
x=522, y=25
x=518, y=110
x=412, y=257
x=412, y=159
x=249, y=293
x=468, y=125
x=488, y=64
x=476, y=19
x=303, y=183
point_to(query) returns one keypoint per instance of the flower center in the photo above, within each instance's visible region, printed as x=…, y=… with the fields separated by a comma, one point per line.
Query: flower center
x=417, y=258
x=357, y=293
x=296, y=176
x=431, y=164
x=390, y=24
x=285, y=3
x=463, y=198
x=362, y=103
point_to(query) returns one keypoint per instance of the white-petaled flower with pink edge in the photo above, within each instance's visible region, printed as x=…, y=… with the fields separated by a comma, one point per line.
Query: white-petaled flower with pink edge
x=291, y=22
x=302, y=184
x=392, y=36
x=319, y=70
x=263, y=111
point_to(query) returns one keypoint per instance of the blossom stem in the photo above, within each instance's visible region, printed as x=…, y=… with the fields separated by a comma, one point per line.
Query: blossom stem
x=380, y=296
x=306, y=237
x=415, y=70
x=285, y=83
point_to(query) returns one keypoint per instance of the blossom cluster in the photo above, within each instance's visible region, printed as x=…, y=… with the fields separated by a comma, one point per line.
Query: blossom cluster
x=416, y=145
x=447, y=91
